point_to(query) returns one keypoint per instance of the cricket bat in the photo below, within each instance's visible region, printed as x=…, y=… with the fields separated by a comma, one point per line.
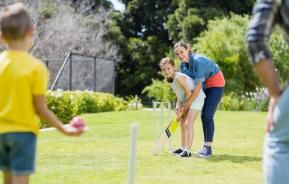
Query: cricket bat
x=173, y=125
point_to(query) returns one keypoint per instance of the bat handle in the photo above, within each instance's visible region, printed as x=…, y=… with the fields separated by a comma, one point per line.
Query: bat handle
x=180, y=116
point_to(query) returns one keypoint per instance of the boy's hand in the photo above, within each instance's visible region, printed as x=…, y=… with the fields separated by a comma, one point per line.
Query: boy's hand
x=71, y=131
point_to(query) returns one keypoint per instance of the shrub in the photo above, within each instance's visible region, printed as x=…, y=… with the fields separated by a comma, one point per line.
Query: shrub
x=49, y=9
x=67, y=104
x=160, y=91
x=248, y=101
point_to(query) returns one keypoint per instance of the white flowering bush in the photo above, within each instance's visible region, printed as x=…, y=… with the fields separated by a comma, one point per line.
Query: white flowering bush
x=247, y=101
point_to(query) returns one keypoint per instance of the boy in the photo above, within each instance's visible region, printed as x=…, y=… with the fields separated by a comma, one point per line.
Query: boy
x=23, y=82
x=183, y=86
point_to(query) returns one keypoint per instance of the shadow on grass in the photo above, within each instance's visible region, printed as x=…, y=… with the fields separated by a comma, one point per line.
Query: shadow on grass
x=234, y=158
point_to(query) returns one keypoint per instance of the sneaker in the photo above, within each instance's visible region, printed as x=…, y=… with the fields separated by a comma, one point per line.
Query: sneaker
x=206, y=152
x=185, y=154
x=178, y=151
x=201, y=151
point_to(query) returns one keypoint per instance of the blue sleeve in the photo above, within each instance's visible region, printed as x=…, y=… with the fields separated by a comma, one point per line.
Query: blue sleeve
x=200, y=73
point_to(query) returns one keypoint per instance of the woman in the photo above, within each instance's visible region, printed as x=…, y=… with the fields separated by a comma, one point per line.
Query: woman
x=206, y=74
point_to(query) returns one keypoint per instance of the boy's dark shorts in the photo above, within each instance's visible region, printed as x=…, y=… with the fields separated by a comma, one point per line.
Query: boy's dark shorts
x=17, y=153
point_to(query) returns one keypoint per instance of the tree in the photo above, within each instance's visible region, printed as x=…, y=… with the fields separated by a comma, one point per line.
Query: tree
x=133, y=75
x=224, y=43
x=148, y=28
x=191, y=17
x=143, y=43
x=279, y=49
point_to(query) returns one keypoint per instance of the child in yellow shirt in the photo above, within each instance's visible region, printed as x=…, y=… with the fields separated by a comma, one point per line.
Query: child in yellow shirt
x=23, y=83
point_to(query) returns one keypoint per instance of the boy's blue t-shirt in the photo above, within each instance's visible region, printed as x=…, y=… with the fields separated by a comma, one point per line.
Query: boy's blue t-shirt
x=199, y=68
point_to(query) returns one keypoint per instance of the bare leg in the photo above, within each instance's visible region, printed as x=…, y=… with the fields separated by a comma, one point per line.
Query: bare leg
x=183, y=133
x=20, y=179
x=191, y=118
x=7, y=178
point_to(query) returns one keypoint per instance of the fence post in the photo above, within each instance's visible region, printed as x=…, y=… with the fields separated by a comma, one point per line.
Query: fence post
x=155, y=121
x=70, y=71
x=114, y=77
x=60, y=71
x=94, y=74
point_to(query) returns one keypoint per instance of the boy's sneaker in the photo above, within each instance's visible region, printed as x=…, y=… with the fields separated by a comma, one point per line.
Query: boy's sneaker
x=206, y=152
x=178, y=151
x=185, y=154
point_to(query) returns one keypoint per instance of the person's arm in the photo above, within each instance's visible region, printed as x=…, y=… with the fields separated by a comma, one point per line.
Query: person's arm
x=265, y=69
x=190, y=95
x=43, y=112
x=265, y=16
x=178, y=107
x=193, y=96
x=182, y=81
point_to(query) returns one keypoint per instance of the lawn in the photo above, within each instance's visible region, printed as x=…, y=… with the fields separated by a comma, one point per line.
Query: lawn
x=101, y=155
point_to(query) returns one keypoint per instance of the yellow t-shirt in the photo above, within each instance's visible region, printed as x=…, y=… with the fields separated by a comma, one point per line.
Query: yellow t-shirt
x=21, y=77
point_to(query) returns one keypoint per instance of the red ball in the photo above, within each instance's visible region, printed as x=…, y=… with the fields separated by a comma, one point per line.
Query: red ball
x=77, y=122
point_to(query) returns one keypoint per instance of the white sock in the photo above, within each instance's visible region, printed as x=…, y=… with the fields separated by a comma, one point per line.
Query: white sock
x=188, y=150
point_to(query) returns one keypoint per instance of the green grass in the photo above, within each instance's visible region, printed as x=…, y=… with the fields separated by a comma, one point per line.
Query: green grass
x=101, y=155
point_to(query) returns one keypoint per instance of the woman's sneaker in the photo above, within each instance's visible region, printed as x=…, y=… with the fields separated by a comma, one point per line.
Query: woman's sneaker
x=178, y=151
x=185, y=154
x=206, y=152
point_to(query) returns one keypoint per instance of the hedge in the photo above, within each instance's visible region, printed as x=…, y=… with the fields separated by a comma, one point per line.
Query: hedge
x=67, y=104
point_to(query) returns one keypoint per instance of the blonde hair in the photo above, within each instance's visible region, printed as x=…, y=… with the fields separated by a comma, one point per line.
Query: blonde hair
x=15, y=22
x=166, y=60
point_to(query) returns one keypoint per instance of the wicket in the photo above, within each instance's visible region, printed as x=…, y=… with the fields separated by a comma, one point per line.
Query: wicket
x=162, y=115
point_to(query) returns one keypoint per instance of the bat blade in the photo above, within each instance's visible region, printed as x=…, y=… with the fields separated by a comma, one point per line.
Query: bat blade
x=171, y=128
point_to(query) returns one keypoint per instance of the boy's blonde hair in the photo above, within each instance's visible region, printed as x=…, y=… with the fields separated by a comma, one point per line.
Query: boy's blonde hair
x=166, y=60
x=15, y=22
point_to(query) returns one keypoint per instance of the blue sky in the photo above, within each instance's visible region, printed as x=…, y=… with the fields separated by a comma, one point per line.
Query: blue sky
x=117, y=5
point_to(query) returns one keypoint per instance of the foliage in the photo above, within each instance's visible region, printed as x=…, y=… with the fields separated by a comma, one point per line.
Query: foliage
x=144, y=18
x=67, y=104
x=160, y=91
x=114, y=31
x=165, y=22
x=247, y=101
x=48, y=10
x=105, y=3
x=279, y=49
x=224, y=43
x=185, y=23
x=142, y=65
x=62, y=104
x=191, y=17
x=143, y=44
